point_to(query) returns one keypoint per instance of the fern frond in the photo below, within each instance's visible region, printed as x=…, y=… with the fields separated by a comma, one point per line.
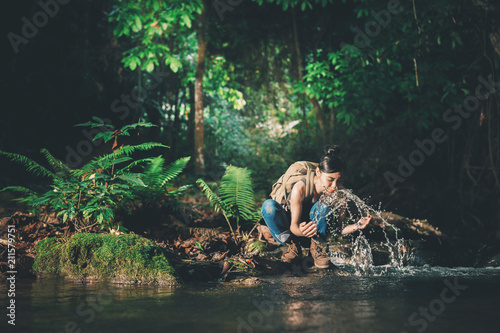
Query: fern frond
x=173, y=170
x=29, y=164
x=56, y=164
x=126, y=151
x=39, y=201
x=215, y=200
x=133, y=178
x=133, y=164
x=218, y=204
x=117, y=161
x=236, y=190
x=108, y=160
x=154, y=170
x=179, y=191
x=156, y=166
x=19, y=189
x=134, y=126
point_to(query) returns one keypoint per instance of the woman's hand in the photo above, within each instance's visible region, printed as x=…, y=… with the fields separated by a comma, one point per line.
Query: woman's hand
x=308, y=229
x=363, y=222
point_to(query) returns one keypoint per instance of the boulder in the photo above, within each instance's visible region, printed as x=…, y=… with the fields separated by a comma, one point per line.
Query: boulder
x=127, y=259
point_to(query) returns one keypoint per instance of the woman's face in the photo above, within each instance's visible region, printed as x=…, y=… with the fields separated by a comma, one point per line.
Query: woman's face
x=329, y=181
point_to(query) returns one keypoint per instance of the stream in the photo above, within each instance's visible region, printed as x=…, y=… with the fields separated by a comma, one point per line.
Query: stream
x=355, y=296
x=411, y=299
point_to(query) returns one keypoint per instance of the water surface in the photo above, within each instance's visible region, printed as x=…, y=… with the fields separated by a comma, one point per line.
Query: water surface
x=388, y=300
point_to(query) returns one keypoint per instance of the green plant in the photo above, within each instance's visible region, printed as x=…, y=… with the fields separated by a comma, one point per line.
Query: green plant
x=94, y=193
x=235, y=199
x=159, y=178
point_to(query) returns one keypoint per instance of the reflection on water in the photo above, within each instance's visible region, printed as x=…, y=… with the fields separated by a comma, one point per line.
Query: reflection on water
x=326, y=302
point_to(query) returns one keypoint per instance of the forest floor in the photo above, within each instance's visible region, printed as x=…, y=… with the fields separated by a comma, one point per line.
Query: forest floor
x=201, y=248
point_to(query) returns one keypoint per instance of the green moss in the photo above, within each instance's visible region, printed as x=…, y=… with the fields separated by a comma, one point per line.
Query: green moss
x=125, y=258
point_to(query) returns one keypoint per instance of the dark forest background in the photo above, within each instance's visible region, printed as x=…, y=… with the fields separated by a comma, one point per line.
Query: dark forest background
x=281, y=79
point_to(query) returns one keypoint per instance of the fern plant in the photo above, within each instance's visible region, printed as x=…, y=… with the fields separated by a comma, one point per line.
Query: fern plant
x=235, y=199
x=159, y=177
x=93, y=193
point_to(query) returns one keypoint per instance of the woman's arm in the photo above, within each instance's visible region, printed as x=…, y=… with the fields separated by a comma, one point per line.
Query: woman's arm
x=303, y=229
x=360, y=225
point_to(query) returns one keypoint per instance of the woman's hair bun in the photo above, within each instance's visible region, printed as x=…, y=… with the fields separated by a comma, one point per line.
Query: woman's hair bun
x=332, y=160
x=332, y=150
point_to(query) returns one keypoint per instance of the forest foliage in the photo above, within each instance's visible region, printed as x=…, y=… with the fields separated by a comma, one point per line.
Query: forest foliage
x=381, y=78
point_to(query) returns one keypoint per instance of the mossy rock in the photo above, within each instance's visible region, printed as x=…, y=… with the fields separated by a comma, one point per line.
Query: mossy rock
x=121, y=258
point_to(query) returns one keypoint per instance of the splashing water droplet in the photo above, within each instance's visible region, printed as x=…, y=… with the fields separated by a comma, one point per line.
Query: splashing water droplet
x=355, y=208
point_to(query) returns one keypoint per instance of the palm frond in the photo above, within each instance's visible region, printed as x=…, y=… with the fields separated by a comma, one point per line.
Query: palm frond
x=237, y=191
x=29, y=164
x=173, y=170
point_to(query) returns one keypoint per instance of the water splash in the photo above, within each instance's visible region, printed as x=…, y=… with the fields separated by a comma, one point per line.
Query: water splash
x=345, y=202
x=362, y=258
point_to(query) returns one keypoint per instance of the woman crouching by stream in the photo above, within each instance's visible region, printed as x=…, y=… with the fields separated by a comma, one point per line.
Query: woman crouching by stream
x=294, y=215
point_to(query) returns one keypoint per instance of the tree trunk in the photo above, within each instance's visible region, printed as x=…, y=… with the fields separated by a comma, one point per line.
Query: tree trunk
x=177, y=128
x=199, y=129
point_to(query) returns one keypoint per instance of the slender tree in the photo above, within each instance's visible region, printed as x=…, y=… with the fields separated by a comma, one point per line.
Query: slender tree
x=199, y=128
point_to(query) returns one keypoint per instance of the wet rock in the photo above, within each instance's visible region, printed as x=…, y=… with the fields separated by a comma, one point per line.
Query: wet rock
x=251, y=281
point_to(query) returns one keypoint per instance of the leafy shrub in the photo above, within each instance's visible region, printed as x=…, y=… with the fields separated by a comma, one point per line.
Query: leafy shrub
x=93, y=193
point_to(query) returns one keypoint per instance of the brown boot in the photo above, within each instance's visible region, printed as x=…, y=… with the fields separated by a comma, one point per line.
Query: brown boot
x=292, y=253
x=320, y=254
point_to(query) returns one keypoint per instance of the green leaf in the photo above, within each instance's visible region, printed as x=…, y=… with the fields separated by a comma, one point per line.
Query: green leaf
x=106, y=136
x=138, y=23
x=175, y=65
x=150, y=66
x=186, y=20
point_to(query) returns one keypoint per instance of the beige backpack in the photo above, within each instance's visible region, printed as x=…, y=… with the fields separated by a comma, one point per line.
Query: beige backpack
x=295, y=173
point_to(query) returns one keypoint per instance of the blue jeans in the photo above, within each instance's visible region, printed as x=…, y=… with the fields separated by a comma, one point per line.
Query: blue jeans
x=279, y=223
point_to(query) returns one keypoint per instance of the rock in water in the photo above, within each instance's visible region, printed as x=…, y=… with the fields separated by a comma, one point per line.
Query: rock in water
x=124, y=259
